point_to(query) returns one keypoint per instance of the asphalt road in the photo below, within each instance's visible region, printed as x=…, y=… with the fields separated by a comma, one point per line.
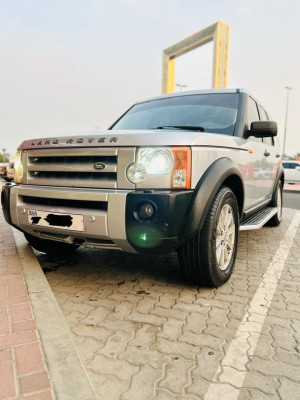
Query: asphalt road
x=291, y=200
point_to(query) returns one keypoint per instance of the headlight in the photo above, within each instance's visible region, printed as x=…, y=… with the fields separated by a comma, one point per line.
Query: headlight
x=150, y=161
x=18, y=167
x=174, y=161
x=136, y=173
x=157, y=161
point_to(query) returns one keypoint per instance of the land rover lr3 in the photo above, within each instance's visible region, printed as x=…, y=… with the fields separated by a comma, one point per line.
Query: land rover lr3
x=175, y=173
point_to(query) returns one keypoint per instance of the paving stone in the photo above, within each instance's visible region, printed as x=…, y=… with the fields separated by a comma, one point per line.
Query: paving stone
x=143, y=384
x=146, y=304
x=260, y=345
x=198, y=387
x=187, y=296
x=162, y=394
x=176, y=375
x=175, y=348
x=200, y=340
x=151, y=319
x=110, y=388
x=7, y=384
x=283, y=338
x=195, y=323
x=252, y=380
x=145, y=336
x=278, y=369
x=208, y=363
x=114, y=324
x=226, y=333
x=211, y=303
x=96, y=332
x=82, y=308
x=29, y=359
x=88, y=347
x=191, y=308
x=96, y=316
x=289, y=390
x=171, y=329
x=120, y=369
x=170, y=313
x=167, y=300
x=34, y=382
x=138, y=356
x=115, y=344
x=219, y=391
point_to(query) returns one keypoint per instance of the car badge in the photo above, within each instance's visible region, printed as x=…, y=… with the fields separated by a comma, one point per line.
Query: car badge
x=99, y=165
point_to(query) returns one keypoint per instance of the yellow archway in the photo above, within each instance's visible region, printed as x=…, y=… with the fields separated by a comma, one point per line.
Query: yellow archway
x=219, y=33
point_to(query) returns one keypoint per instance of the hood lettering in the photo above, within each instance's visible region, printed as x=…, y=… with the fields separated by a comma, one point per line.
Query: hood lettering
x=64, y=141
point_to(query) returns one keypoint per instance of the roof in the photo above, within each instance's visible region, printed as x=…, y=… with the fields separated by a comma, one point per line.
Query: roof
x=193, y=92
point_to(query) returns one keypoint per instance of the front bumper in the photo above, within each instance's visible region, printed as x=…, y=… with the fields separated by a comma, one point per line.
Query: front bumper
x=109, y=216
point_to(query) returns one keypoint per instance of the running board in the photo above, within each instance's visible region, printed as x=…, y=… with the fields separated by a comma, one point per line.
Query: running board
x=259, y=219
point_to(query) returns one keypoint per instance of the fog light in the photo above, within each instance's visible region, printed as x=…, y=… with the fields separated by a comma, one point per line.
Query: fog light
x=146, y=211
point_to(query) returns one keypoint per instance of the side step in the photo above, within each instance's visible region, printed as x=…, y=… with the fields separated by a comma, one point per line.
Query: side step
x=259, y=219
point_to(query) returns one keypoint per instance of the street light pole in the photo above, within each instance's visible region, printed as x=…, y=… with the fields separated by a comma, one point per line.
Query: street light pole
x=286, y=117
x=181, y=86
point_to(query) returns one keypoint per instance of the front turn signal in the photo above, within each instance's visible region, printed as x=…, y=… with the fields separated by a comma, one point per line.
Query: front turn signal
x=181, y=174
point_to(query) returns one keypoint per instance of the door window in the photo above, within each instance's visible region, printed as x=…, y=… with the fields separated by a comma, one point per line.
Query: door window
x=252, y=116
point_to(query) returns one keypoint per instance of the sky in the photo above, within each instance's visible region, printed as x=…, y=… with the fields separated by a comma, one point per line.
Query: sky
x=74, y=66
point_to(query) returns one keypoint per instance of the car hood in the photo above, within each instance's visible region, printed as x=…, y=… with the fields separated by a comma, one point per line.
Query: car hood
x=134, y=138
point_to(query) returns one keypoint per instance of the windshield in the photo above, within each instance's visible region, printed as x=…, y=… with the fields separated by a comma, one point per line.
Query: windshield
x=213, y=112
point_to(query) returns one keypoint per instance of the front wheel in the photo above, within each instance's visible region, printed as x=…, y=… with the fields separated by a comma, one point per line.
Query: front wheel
x=208, y=257
x=50, y=246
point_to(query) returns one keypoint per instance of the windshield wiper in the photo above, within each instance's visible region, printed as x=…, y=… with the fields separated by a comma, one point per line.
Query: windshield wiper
x=183, y=127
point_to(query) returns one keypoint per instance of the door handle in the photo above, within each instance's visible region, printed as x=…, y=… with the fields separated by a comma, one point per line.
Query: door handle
x=266, y=153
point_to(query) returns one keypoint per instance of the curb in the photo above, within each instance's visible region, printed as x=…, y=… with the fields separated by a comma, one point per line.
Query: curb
x=291, y=191
x=68, y=374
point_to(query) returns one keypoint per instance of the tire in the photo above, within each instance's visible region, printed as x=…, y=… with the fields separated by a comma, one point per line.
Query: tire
x=208, y=257
x=50, y=246
x=276, y=202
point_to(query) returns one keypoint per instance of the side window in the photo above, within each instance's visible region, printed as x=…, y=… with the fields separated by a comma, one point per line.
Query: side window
x=252, y=115
x=286, y=165
x=263, y=116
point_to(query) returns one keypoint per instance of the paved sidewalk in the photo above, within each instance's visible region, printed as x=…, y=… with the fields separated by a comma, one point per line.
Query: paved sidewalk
x=38, y=358
x=23, y=371
x=125, y=327
x=143, y=333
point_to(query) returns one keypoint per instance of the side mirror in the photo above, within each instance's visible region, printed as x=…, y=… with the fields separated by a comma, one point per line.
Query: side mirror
x=262, y=129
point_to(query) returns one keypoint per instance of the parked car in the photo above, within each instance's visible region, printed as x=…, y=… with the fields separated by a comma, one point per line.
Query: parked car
x=3, y=170
x=10, y=171
x=174, y=173
x=291, y=171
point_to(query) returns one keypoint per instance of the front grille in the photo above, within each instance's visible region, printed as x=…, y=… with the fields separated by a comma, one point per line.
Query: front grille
x=96, y=205
x=73, y=167
x=72, y=175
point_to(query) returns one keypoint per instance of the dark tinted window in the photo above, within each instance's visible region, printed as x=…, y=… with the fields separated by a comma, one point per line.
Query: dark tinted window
x=264, y=117
x=252, y=116
x=292, y=165
x=263, y=114
x=214, y=112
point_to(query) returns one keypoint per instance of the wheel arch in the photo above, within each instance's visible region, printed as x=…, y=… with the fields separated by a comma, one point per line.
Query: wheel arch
x=223, y=172
x=279, y=177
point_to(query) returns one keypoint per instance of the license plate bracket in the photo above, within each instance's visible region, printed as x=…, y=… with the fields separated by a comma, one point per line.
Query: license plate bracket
x=73, y=222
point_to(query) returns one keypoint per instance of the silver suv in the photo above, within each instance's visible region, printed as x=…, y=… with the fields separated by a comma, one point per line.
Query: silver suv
x=174, y=173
